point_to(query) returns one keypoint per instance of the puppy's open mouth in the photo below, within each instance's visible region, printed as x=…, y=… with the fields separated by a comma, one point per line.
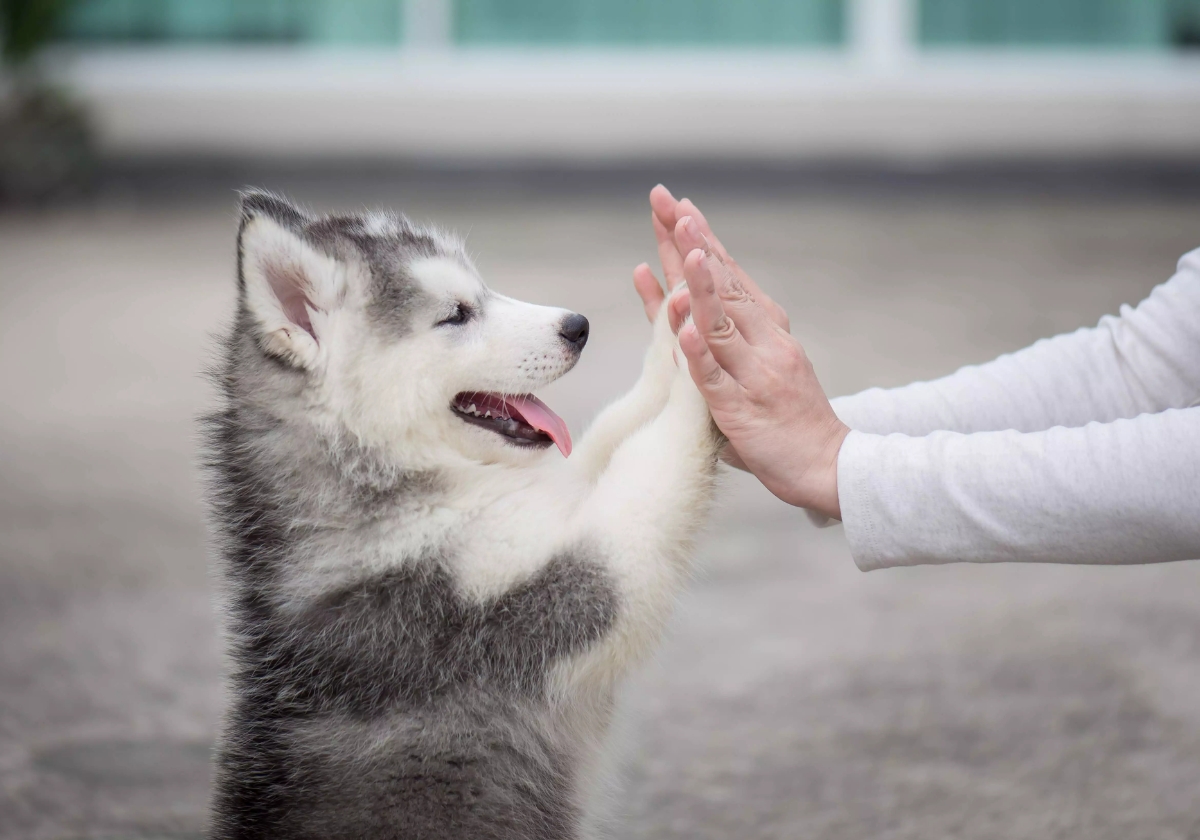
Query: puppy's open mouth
x=523, y=420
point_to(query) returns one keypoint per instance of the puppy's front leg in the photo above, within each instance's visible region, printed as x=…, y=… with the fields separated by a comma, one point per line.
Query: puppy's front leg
x=643, y=516
x=637, y=407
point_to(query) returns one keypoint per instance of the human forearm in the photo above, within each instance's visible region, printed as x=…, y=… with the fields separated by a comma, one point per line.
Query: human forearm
x=1122, y=492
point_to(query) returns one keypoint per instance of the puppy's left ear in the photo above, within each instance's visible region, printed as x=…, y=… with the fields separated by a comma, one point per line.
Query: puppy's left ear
x=288, y=286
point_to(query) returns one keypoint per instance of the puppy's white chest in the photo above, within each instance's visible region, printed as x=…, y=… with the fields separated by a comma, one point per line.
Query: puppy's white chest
x=511, y=539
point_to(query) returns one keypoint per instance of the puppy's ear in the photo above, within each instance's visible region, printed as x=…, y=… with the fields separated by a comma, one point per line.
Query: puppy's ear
x=288, y=286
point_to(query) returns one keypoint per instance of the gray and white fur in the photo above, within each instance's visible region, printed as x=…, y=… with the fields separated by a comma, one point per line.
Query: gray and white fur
x=427, y=617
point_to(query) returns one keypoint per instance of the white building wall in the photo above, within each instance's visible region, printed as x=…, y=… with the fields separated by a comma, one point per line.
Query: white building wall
x=881, y=99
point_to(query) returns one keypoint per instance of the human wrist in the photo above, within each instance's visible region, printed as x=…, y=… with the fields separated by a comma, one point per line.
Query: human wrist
x=824, y=489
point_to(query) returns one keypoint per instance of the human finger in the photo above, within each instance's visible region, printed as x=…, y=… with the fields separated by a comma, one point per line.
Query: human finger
x=649, y=290
x=663, y=204
x=717, y=329
x=750, y=318
x=719, y=389
x=687, y=207
x=668, y=253
x=702, y=236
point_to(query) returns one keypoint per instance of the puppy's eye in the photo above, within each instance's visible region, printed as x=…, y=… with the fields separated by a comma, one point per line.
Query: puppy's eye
x=462, y=313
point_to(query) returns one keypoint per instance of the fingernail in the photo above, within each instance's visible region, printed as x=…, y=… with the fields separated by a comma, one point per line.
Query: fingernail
x=688, y=224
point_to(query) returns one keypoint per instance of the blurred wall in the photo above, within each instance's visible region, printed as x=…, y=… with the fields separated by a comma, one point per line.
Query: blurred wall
x=621, y=80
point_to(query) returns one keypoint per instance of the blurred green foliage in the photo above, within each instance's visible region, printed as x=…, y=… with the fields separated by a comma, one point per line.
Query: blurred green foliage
x=27, y=25
x=46, y=143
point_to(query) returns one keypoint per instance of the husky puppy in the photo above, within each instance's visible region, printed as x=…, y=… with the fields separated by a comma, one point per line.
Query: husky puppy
x=427, y=607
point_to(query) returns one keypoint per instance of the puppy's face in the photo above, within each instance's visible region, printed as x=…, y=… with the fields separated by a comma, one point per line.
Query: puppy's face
x=399, y=340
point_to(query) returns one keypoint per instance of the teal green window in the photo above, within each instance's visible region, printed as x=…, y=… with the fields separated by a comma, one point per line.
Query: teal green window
x=651, y=22
x=476, y=22
x=263, y=21
x=1145, y=24
x=1135, y=24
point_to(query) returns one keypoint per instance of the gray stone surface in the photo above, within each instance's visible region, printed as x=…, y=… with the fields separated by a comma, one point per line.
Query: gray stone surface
x=795, y=697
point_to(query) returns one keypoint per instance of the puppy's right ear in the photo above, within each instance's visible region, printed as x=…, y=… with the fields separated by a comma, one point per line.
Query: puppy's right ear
x=289, y=287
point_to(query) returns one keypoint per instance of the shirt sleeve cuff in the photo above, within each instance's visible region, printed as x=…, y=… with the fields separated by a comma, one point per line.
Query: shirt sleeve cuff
x=858, y=453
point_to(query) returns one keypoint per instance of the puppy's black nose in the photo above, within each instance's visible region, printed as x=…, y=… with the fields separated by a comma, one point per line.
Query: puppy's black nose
x=574, y=329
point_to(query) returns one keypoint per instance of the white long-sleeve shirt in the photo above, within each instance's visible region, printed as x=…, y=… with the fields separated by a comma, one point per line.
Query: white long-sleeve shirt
x=1084, y=448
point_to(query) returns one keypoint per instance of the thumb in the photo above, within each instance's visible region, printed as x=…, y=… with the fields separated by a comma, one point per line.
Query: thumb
x=648, y=289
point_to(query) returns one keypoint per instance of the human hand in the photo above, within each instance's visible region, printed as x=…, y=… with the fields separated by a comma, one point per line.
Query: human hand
x=760, y=386
x=666, y=212
x=673, y=245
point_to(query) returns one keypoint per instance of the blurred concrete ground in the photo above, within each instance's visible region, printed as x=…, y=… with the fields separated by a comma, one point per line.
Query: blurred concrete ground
x=795, y=698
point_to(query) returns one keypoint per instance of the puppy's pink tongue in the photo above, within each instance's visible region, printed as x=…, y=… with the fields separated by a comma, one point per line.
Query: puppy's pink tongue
x=539, y=415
